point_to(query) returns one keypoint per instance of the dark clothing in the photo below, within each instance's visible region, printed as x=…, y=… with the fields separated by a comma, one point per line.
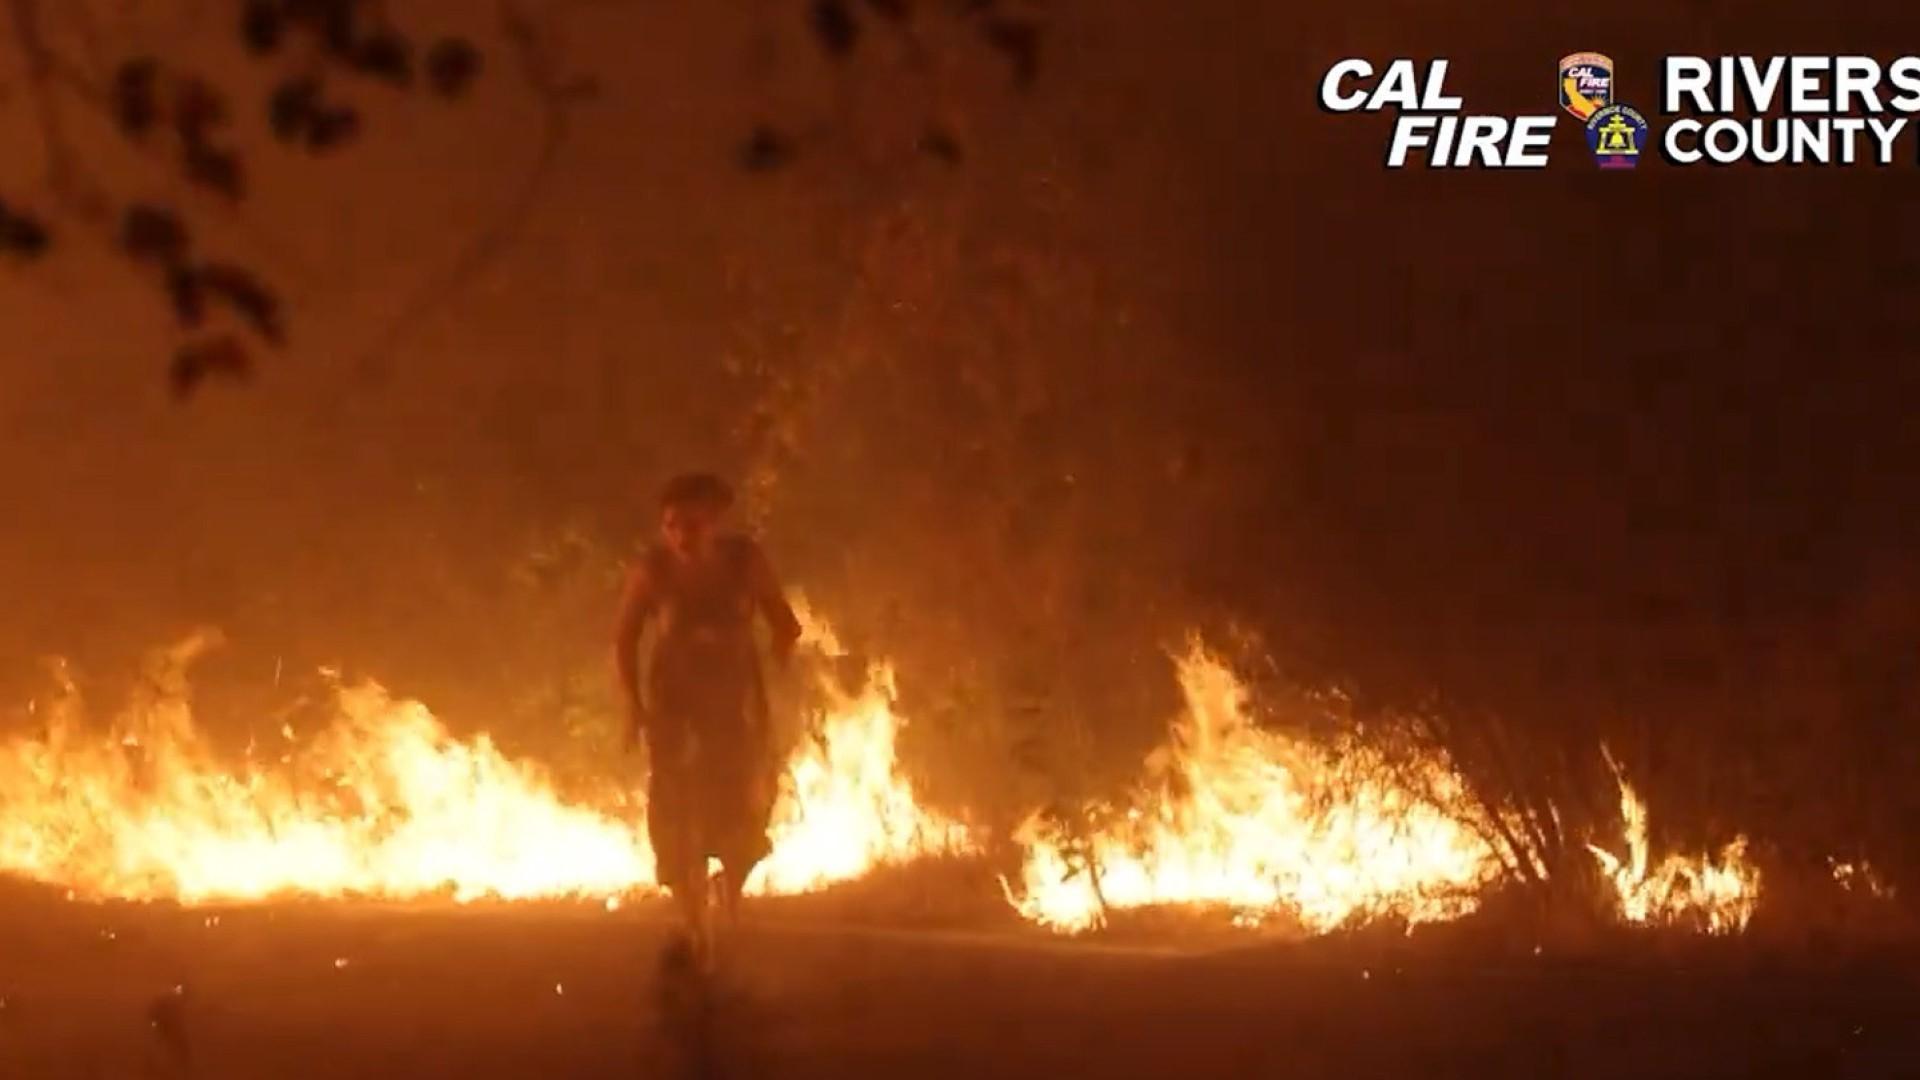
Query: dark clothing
x=711, y=789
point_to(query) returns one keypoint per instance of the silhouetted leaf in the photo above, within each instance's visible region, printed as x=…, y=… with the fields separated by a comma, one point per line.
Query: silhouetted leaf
x=291, y=106
x=198, y=108
x=153, y=233
x=332, y=127
x=188, y=299
x=332, y=21
x=452, y=65
x=262, y=24
x=937, y=143
x=1019, y=41
x=385, y=56
x=135, y=104
x=765, y=150
x=835, y=26
x=247, y=295
x=224, y=356
x=29, y=236
x=212, y=167
x=23, y=234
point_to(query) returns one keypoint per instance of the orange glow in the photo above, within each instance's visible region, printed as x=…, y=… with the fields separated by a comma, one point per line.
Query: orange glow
x=1714, y=894
x=386, y=803
x=1263, y=825
x=843, y=806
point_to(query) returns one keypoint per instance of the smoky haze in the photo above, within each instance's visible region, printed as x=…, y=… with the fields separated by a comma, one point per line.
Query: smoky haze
x=1623, y=457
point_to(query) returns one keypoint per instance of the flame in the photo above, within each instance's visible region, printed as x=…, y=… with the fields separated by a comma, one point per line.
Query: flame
x=1861, y=877
x=1262, y=824
x=843, y=806
x=1716, y=894
x=385, y=802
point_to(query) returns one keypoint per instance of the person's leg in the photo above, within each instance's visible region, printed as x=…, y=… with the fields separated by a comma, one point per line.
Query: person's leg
x=677, y=860
x=748, y=811
x=697, y=908
x=746, y=846
x=733, y=883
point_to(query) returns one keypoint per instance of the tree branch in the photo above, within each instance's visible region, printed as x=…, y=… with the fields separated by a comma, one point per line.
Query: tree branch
x=558, y=95
x=60, y=73
x=64, y=176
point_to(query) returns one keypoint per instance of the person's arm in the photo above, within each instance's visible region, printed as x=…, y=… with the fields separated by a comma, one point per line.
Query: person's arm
x=771, y=599
x=636, y=604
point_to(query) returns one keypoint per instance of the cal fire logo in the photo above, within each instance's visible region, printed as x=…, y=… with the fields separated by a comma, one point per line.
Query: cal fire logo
x=1429, y=121
x=1586, y=84
x=1719, y=110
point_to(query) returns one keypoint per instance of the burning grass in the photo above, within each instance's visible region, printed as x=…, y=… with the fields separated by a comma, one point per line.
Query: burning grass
x=1270, y=827
x=385, y=803
x=1264, y=827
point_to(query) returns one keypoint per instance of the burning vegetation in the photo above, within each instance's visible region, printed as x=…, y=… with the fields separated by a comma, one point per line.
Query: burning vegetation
x=1261, y=824
x=384, y=802
x=1716, y=894
x=1266, y=826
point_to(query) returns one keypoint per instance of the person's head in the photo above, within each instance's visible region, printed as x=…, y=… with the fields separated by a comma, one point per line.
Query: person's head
x=691, y=506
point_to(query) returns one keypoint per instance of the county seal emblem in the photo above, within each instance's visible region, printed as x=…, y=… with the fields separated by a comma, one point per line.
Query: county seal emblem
x=1586, y=84
x=1615, y=134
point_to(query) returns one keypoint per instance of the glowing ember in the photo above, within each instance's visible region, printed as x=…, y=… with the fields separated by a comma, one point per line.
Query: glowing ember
x=1860, y=877
x=1715, y=894
x=1261, y=824
x=386, y=803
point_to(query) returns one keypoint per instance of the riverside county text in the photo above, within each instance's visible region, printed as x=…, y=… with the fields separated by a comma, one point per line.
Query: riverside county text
x=1837, y=110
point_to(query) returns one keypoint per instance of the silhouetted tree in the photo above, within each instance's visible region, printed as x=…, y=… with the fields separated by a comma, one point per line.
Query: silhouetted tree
x=326, y=58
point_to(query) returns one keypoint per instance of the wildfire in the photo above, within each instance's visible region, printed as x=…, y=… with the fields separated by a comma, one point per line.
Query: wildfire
x=386, y=803
x=1234, y=817
x=1262, y=824
x=1860, y=877
x=843, y=807
x=1717, y=894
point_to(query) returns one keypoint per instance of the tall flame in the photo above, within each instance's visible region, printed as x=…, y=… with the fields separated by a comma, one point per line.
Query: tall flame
x=1716, y=894
x=1261, y=824
x=843, y=807
x=386, y=803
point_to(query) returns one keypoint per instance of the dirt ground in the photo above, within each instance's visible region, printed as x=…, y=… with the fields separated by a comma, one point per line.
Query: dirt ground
x=566, y=990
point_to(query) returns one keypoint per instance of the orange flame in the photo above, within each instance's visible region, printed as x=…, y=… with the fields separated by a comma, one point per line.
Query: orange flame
x=843, y=807
x=1718, y=895
x=386, y=803
x=1263, y=825
x=1861, y=877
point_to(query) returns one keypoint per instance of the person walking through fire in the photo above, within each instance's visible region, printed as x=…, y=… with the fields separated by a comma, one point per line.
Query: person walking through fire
x=703, y=716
